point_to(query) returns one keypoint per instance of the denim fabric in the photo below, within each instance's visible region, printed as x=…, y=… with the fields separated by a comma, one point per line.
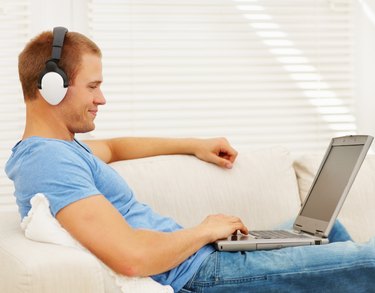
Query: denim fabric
x=341, y=266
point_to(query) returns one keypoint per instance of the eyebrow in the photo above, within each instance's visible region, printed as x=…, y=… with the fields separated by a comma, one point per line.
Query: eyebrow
x=96, y=82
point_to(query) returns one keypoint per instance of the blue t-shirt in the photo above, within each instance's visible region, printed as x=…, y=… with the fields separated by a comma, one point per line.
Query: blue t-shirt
x=67, y=171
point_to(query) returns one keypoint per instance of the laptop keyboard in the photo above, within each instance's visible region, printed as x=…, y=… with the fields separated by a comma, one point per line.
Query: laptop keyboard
x=276, y=234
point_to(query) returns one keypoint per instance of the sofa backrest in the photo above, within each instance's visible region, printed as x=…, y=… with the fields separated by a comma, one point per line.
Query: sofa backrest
x=261, y=188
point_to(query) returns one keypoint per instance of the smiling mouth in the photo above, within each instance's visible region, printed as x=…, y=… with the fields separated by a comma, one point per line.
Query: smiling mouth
x=93, y=112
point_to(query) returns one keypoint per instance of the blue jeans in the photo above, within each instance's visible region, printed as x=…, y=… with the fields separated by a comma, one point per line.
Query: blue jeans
x=341, y=266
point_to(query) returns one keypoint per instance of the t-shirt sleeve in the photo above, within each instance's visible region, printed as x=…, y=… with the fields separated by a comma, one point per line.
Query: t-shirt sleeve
x=62, y=176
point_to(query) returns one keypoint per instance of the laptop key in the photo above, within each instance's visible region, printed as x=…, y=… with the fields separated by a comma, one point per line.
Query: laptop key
x=276, y=234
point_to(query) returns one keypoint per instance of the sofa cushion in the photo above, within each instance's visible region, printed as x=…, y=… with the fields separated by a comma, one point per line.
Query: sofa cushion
x=357, y=213
x=261, y=188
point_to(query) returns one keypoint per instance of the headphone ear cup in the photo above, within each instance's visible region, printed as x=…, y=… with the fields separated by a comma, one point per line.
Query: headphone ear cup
x=52, y=88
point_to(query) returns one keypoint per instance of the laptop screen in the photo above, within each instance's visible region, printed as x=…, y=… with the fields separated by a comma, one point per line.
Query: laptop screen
x=331, y=182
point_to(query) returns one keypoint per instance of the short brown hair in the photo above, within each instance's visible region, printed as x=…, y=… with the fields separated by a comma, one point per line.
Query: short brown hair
x=37, y=52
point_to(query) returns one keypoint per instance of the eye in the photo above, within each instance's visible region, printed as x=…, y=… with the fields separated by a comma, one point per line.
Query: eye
x=93, y=86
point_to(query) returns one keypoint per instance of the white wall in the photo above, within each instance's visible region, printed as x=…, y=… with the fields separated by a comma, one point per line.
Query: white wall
x=365, y=65
x=68, y=13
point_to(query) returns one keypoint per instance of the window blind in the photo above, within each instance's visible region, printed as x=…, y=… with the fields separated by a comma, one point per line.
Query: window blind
x=260, y=73
x=14, y=27
x=257, y=72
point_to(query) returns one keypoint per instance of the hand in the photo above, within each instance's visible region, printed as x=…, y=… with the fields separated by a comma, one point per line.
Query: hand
x=215, y=150
x=221, y=226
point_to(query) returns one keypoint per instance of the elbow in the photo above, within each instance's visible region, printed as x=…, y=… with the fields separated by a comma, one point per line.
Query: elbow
x=133, y=267
x=129, y=271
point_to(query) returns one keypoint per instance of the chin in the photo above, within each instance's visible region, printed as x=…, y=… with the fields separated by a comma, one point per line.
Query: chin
x=85, y=129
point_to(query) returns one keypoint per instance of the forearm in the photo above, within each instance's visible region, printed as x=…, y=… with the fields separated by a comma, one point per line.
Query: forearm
x=216, y=150
x=158, y=252
x=137, y=147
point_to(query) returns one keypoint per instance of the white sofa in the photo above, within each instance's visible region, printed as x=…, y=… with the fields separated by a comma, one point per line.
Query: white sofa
x=264, y=188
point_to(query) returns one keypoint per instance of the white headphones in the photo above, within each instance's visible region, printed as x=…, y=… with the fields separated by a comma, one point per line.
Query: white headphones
x=53, y=81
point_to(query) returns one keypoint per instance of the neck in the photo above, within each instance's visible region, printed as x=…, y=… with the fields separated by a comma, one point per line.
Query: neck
x=42, y=120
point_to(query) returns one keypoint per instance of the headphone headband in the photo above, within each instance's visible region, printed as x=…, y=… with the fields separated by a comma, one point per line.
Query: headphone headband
x=58, y=42
x=53, y=82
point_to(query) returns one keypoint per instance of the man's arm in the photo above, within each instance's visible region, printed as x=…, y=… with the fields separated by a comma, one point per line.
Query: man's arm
x=98, y=226
x=215, y=150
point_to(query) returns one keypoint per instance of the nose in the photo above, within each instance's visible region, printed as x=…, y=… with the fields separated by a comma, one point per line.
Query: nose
x=100, y=99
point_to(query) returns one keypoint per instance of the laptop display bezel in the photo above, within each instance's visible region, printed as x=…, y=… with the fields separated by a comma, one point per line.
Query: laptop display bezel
x=315, y=226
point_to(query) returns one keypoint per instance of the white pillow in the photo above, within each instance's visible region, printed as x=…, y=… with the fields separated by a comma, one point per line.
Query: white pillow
x=40, y=225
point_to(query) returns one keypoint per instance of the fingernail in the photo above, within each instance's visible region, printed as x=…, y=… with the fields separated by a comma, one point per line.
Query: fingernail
x=229, y=165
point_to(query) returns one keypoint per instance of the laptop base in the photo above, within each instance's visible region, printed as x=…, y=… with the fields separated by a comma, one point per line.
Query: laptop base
x=250, y=243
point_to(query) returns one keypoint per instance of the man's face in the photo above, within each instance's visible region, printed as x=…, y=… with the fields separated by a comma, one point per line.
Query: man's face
x=80, y=105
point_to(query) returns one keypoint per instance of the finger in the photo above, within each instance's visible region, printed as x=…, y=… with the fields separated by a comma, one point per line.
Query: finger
x=221, y=161
x=228, y=154
x=236, y=232
x=244, y=230
x=240, y=225
x=225, y=163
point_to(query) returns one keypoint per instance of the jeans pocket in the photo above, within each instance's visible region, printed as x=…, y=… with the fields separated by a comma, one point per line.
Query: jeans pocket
x=183, y=290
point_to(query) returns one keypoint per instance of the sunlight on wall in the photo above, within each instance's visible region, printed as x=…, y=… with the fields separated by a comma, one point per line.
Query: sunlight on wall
x=300, y=69
x=368, y=11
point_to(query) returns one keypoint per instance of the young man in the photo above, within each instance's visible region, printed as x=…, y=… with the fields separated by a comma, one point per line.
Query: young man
x=99, y=209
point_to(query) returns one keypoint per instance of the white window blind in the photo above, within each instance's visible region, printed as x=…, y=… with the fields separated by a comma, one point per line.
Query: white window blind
x=14, y=27
x=258, y=72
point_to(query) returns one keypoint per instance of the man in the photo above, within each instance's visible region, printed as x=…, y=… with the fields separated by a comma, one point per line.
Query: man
x=99, y=209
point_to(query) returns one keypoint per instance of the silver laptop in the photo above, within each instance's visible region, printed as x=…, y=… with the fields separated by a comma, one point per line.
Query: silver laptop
x=323, y=202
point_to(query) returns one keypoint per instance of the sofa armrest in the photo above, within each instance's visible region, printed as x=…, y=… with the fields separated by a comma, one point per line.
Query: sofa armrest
x=29, y=266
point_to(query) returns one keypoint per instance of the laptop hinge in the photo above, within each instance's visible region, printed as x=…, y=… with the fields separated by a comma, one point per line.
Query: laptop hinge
x=319, y=233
